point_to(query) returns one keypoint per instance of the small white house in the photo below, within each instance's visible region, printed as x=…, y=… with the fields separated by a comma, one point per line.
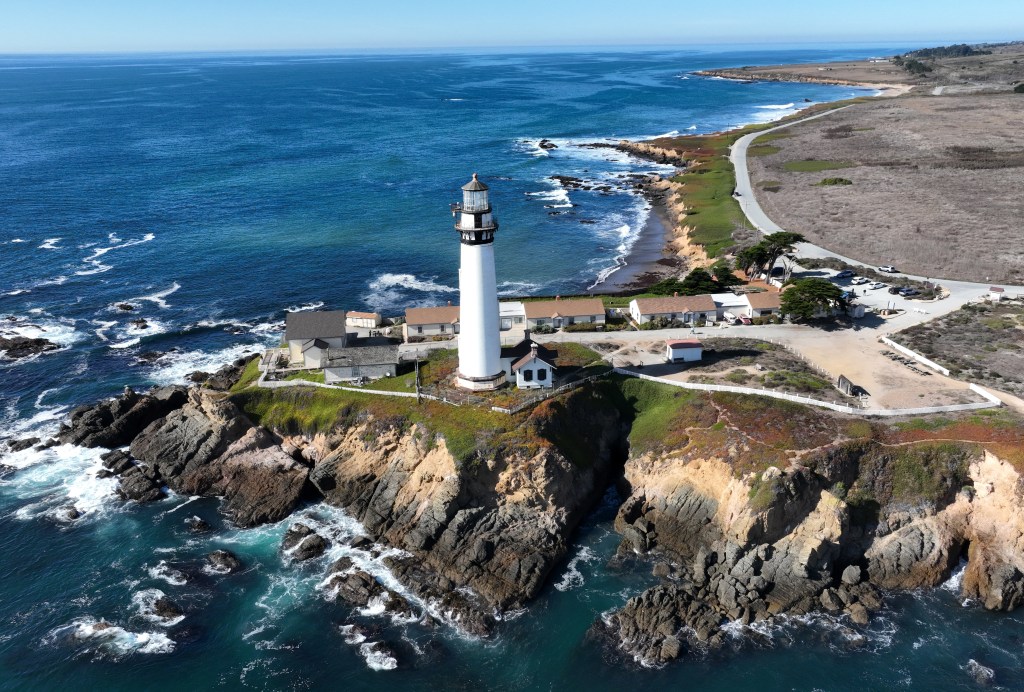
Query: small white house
x=763, y=304
x=996, y=293
x=511, y=315
x=560, y=313
x=311, y=334
x=532, y=371
x=684, y=351
x=366, y=320
x=424, y=323
x=687, y=309
x=530, y=364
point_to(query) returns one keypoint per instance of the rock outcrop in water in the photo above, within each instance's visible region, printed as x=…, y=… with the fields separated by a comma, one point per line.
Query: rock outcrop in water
x=16, y=347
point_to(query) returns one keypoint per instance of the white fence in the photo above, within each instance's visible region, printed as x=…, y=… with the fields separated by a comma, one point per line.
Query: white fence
x=916, y=356
x=279, y=384
x=990, y=401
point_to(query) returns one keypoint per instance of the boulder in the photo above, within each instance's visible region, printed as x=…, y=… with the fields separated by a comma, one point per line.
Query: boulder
x=136, y=485
x=851, y=575
x=116, y=461
x=859, y=614
x=23, y=444
x=224, y=561
x=167, y=609
x=198, y=525
x=16, y=347
x=304, y=544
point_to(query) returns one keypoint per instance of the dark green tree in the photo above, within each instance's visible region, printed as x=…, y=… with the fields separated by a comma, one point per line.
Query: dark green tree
x=806, y=297
x=723, y=274
x=698, y=282
x=776, y=245
x=751, y=259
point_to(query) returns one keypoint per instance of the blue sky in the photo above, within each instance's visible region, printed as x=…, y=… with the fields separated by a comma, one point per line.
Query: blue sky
x=232, y=25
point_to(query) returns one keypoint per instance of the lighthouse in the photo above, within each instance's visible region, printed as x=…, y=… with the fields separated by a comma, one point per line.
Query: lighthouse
x=479, y=345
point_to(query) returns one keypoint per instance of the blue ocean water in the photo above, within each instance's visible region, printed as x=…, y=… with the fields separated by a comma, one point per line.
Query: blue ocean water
x=212, y=193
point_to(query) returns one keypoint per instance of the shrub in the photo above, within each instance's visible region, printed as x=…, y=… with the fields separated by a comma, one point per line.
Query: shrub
x=836, y=181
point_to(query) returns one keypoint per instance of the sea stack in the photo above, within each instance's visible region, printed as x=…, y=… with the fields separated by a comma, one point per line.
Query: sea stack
x=479, y=345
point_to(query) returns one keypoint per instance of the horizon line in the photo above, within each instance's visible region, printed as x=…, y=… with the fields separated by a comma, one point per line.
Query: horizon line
x=596, y=47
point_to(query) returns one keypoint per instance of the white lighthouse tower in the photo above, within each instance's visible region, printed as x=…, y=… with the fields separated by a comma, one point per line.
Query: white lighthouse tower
x=479, y=343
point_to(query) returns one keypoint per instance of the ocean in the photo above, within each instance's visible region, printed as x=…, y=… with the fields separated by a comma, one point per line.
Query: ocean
x=212, y=193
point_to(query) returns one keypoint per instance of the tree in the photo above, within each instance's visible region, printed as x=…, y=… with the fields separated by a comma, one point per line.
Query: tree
x=723, y=274
x=698, y=282
x=776, y=245
x=751, y=259
x=807, y=297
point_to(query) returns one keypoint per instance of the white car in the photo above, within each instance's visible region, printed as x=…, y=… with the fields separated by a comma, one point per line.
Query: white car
x=887, y=268
x=858, y=280
x=876, y=284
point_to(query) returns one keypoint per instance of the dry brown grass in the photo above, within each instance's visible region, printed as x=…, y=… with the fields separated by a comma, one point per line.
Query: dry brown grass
x=936, y=186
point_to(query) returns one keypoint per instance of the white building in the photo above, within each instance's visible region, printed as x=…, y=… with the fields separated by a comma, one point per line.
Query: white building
x=530, y=364
x=311, y=334
x=996, y=293
x=560, y=313
x=479, y=340
x=683, y=350
x=686, y=309
x=365, y=320
x=426, y=323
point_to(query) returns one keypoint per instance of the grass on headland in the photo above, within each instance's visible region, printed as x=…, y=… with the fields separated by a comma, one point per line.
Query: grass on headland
x=763, y=150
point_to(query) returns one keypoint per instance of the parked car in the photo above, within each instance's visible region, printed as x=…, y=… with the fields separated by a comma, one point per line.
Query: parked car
x=908, y=292
x=845, y=274
x=876, y=284
x=858, y=280
x=893, y=290
x=746, y=320
x=887, y=268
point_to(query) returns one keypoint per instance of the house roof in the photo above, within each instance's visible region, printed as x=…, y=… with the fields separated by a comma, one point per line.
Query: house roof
x=764, y=301
x=445, y=314
x=323, y=324
x=578, y=307
x=657, y=306
x=527, y=359
x=362, y=355
x=363, y=315
x=315, y=343
x=996, y=289
x=684, y=343
x=524, y=347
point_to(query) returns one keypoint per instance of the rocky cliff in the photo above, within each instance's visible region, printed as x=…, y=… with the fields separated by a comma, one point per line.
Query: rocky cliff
x=788, y=541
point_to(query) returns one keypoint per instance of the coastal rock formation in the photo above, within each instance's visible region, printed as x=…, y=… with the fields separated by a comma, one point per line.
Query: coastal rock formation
x=116, y=422
x=785, y=542
x=16, y=347
x=497, y=522
x=223, y=561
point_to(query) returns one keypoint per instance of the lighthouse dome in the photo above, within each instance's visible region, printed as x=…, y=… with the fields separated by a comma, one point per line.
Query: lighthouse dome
x=474, y=185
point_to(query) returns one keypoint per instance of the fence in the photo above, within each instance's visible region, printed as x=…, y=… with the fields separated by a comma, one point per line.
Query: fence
x=990, y=401
x=913, y=354
x=279, y=384
x=546, y=394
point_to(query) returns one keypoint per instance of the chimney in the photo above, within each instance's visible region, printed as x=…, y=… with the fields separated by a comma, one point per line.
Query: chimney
x=675, y=294
x=526, y=334
x=558, y=297
x=449, y=303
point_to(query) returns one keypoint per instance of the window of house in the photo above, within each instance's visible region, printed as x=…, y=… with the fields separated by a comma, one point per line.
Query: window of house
x=419, y=330
x=542, y=374
x=442, y=329
x=593, y=318
x=527, y=375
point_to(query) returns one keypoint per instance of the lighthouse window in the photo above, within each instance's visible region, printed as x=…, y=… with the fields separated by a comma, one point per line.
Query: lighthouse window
x=542, y=375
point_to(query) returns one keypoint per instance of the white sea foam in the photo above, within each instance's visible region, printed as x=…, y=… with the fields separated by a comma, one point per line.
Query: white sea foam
x=692, y=127
x=158, y=297
x=42, y=326
x=782, y=107
x=558, y=198
x=99, y=252
x=108, y=640
x=17, y=240
x=58, y=479
x=50, y=244
x=128, y=343
x=306, y=307
x=174, y=367
x=55, y=281
x=377, y=659
x=17, y=292
x=388, y=291
x=956, y=580
x=145, y=606
x=103, y=328
x=377, y=605
x=351, y=634
x=166, y=573
x=573, y=578
x=97, y=268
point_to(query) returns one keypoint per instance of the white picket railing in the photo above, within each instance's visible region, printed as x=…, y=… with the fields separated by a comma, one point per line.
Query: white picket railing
x=913, y=354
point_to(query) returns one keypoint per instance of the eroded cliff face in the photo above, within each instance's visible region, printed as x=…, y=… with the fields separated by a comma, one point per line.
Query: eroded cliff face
x=496, y=523
x=786, y=542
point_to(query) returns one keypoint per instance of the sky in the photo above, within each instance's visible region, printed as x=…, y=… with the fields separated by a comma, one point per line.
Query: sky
x=74, y=26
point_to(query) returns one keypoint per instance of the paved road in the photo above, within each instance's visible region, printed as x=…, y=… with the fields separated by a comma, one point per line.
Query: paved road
x=960, y=292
